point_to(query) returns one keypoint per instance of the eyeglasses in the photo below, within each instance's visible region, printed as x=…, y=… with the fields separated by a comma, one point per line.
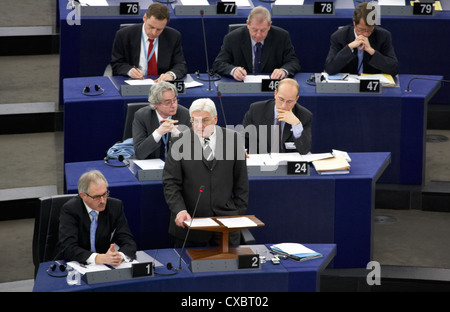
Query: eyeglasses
x=363, y=30
x=97, y=197
x=169, y=102
x=288, y=102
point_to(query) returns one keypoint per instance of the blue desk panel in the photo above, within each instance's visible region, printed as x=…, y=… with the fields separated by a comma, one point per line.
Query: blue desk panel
x=394, y=121
x=85, y=49
x=318, y=209
x=288, y=276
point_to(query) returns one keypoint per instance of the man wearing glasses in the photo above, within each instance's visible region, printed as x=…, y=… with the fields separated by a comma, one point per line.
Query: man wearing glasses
x=362, y=47
x=281, y=124
x=154, y=125
x=91, y=223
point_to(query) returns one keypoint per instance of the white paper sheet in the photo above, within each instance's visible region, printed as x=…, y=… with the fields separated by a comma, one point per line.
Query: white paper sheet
x=239, y=222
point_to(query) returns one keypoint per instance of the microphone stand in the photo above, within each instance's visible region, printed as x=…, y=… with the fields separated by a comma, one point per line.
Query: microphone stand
x=189, y=228
x=206, y=51
x=409, y=90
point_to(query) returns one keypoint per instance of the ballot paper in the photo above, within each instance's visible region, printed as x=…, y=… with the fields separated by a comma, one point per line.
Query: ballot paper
x=141, y=257
x=289, y=2
x=189, y=82
x=274, y=159
x=238, y=222
x=240, y=3
x=201, y=222
x=391, y=2
x=255, y=78
x=296, y=249
x=149, y=164
x=194, y=2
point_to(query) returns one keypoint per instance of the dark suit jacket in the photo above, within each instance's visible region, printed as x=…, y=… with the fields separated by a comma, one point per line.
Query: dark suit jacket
x=127, y=47
x=262, y=114
x=74, y=228
x=145, y=122
x=341, y=59
x=225, y=184
x=278, y=52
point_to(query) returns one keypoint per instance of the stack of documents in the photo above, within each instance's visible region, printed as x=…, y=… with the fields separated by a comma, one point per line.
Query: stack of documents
x=295, y=251
x=334, y=165
x=236, y=222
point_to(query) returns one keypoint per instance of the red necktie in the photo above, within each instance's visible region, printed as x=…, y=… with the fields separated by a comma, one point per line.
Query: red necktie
x=152, y=69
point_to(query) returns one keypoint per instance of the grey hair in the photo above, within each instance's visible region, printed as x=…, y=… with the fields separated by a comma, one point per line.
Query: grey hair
x=259, y=14
x=93, y=176
x=203, y=104
x=156, y=91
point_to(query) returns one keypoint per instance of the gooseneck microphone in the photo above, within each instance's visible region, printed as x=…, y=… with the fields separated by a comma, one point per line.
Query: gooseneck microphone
x=206, y=50
x=409, y=83
x=189, y=228
x=219, y=95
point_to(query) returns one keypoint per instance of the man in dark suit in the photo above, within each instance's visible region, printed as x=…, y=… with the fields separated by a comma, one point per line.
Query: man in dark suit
x=362, y=47
x=239, y=54
x=81, y=213
x=280, y=123
x=154, y=125
x=208, y=156
x=132, y=51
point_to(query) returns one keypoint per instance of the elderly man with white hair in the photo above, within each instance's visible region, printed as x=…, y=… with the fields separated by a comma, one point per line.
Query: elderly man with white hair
x=208, y=159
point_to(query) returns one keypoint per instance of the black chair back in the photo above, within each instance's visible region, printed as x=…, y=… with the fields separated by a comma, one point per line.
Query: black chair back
x=46, y=228
x=128, y=127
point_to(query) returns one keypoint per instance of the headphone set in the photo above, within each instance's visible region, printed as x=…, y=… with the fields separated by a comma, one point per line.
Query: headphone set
x=98, y=90
x=124, y=162
x=62, y=269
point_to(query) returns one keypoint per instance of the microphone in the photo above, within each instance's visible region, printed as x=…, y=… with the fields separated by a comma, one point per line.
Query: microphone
x=189, y=228
x=409, y=90
x=211, y=77
x=219, y=95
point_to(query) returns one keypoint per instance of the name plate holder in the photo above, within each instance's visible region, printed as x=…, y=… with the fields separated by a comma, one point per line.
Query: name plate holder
x=419, y=9
x=318, y=8
x=219, y=8
x=223, y=258
x=323, y=86
x=116, y=8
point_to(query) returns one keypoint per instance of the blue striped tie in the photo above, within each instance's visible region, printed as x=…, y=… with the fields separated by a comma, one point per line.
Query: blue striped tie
x=93, y=229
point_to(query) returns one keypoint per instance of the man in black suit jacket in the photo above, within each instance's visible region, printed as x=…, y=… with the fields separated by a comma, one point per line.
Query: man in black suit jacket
x=154, y=125
x=236, y=57
x=282, y=113
x=373, y=42
x=128, y=57
x=75, y=223
x=223, y=176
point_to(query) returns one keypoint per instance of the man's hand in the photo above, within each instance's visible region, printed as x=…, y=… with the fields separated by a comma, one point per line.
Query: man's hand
x=168, y=125
x=164, y=77
x=111, y=257
x=181, y=217
x=239, y=74
x=136, y=73
x=287, y=116
x=278, y=74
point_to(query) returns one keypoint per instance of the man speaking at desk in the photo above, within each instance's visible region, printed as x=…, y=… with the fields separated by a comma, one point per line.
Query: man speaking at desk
x=208, y=156
x=257, y=48
x=151, y=48
x=91, y=223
